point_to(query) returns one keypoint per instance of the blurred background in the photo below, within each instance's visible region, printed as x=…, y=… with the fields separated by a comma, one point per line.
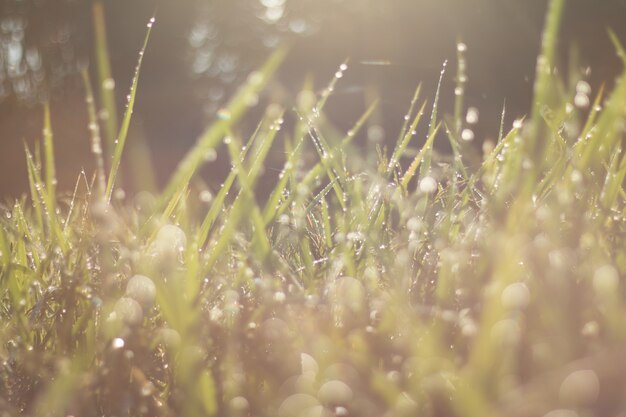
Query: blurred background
x=201, y=50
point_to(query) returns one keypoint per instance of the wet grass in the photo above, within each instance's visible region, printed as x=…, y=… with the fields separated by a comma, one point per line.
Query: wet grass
x=476, y=284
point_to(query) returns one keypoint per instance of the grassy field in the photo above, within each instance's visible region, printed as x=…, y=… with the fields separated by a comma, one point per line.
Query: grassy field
x=483, y=283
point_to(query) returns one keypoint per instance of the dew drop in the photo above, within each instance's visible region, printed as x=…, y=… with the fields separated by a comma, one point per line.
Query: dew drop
x=581, y=100
x=516, y=296
x=108, y=84
x=467, y=135
x=606, y=280
x=472, y=115
x=223, y=114
x=210, y=155
x=117, y=343
x=206, y=196
x=428, y=185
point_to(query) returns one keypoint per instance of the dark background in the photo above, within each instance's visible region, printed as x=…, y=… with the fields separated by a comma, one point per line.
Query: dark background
x=202, y=49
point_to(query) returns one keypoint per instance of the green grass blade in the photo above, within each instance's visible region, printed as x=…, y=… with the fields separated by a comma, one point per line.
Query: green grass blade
x=218, y=202
x=43, y=202
x=273, y=205
x=614, y=181
x=407, y=117
x=501, y=131
x=606, y=134
x=105, y=79
x=544, y=88
x=419, y=158
x=121, y=138
x=402, y=144
x=459, y=90
x=48, y=147
x=621, y=52
x=331, y=87
x=591, y=119
x=427, y=150
x=246, y=181
x=94, y=130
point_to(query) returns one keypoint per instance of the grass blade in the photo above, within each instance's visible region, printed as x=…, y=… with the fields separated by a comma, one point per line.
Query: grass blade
x=427, y=150
x=105, y=80
x=94, y=130
x=48, y=148
x=121, y=138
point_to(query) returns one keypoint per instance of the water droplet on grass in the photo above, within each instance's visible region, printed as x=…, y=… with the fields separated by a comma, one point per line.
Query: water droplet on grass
x=376, y=133
x=223, y=114
x=516, y=296
x=467, y=135
x=472, y=115
x=147, y=389
x=606, y=280
x=279, y=296
x=119, y=194
x=108, y=84
x=341, y=411
x=308, y=364
x=428, y=185
x=117, y=343
x=210, y=155
x=335, y=392
x=581, y=100
x=129, y=311
x=141, y=289
x=169, y=338
x=256, y=78
x=239, y=404
x=583, y=87
x=206, y=196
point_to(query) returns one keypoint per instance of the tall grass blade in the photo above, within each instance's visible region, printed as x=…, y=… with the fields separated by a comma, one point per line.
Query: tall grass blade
x=94, y=131
x=247, y=181
x=427, y=150
x=402, y=144
x=218, y=202
x=43, y=202
x=105, y=78
x=419, y=159
x=48, y=147
x=121, y=138
x=544, y=86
